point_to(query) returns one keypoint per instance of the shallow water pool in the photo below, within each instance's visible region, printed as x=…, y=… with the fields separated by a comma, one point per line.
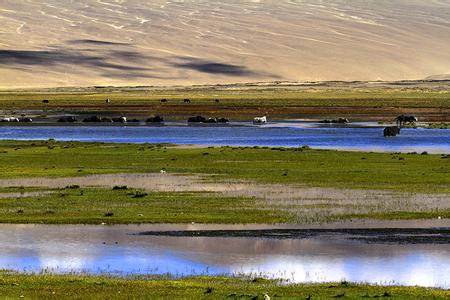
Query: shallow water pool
x=116, y=250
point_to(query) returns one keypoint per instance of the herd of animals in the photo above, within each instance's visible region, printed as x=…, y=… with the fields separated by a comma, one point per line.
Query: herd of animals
x=388, y=131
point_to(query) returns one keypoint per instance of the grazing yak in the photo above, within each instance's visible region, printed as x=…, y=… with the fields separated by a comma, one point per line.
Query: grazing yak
x=187, y=101
x=155, y=119
x=403, y=119
x=212, y=120
x=335, y=121
x=26, y=120
x=391, y=131
x=106, y=120
x=223, y=120
x=163, y=100
x=120, y=120
x=260, y=120
x=197, y=119
x=67, y=119
x=92, y=119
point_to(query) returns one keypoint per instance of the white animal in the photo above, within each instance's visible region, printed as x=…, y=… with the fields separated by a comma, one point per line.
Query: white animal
x=11, y=119
x=260, y=120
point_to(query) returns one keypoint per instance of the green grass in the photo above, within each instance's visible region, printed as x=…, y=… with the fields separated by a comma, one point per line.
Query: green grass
x=13, y=286
x=95, y=206
x=319, y=168
x=131, y=206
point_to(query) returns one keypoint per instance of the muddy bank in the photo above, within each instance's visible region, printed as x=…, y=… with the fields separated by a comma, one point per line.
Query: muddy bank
x=367, y=235
x=235, y=113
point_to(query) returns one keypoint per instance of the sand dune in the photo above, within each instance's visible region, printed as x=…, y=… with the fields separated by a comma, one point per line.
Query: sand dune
x=134, y=42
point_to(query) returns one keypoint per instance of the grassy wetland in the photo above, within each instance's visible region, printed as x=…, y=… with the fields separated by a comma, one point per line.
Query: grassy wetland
x=51, y=182
x=77, y=182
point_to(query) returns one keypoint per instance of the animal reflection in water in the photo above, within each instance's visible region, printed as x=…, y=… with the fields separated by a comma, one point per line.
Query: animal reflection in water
x=260, y=120
x=391, y=131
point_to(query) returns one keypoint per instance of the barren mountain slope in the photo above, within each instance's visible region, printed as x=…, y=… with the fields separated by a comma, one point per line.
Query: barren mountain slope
x=136, y=42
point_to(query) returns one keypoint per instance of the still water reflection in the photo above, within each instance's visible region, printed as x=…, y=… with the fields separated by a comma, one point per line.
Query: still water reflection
x=114, y=250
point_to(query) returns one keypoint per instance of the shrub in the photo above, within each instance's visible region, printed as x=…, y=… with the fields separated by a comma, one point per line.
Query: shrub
x=120, y=187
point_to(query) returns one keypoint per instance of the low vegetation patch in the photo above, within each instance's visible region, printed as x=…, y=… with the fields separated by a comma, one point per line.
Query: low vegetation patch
x=94, y=287
x=439, y=125
x=96, y=206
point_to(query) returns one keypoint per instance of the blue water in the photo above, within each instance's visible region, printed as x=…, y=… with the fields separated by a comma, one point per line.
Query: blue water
x=116, y=250
x=281, y=134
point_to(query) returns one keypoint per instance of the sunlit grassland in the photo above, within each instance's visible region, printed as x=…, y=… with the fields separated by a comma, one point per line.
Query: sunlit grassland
x=319, y=168
x=13, y=286
x=261, y=97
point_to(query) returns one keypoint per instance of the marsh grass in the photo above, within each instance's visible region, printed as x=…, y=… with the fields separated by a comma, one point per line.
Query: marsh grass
x=102, y=287
x=156, y=198
x=230, y=185
x=315, y=168
x=96, y=206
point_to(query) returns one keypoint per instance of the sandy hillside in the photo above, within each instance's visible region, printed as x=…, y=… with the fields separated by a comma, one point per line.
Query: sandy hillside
x=136, y=42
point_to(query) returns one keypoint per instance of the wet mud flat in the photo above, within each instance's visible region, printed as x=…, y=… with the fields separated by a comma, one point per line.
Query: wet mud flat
x=366, y=235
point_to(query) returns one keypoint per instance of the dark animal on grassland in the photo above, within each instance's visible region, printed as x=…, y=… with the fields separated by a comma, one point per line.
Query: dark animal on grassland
x=403, y=119
x=92, y=119
x=217, y=100
x=155, y=119
x=120, y=120
x=335, y=121
x=108, y=100
x=211, y=120
x=163, y=100
x=187, y=101
x=106, y=120
x=67, y=119
x=222, y=120
x=391, y=131
x=26, y=120
x=197, y=119
x=45, y=101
